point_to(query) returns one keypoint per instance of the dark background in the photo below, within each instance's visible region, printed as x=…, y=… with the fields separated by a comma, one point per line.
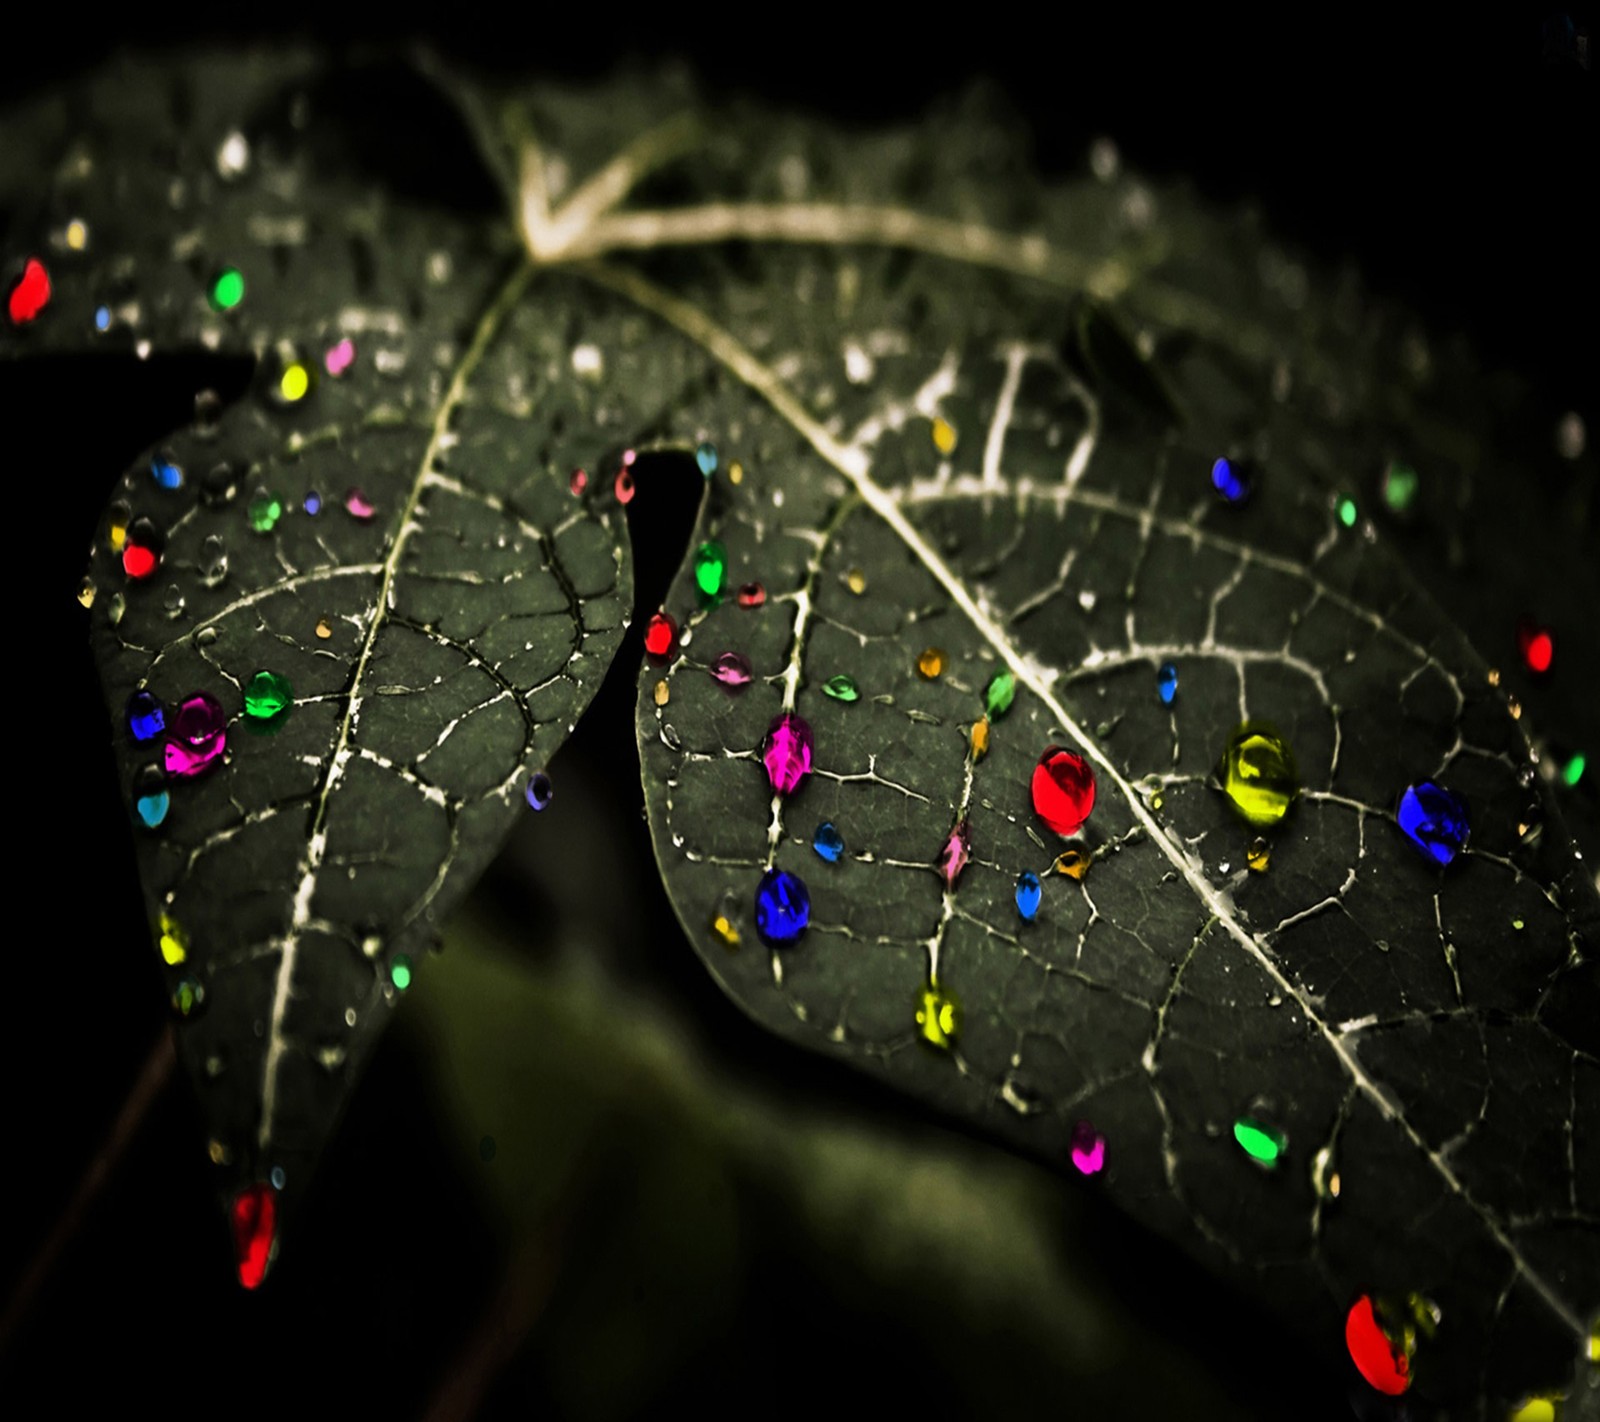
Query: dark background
x=1451, y=157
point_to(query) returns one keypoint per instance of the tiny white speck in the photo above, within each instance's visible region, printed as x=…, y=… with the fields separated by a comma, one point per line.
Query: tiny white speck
x=233, y=157
x=588, y=361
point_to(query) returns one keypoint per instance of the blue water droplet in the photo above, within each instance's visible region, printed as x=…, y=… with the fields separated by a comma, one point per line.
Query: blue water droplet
x=1231, y=479
x=152, y=808
x=783, y=907
x=828, y=842
x=313, y=503
x=706, y=458
x=1029, y=894
x=166, y=471
x=540, y=791
x=102, y=318
x=1434, y=819
x=147, y=718
x=1167, y=683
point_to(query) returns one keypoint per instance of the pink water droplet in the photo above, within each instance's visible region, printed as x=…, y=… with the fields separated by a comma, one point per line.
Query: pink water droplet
x=199, y=737
x=1088, y=1149
x=955, y=854
x=340, y=357
x=786, y=752
x=578, y=481
x=358, y=506
x=733, y=670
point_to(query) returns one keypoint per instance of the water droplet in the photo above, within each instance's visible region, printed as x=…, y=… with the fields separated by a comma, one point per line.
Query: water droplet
x=733, y=670
x=220, y=487
x=86, y=591
x=1087, y=599
x=955, y=854
x=233, y=156
x=752, y=595
x=1538, y=1409
x=783, y=908
x=116, y=607
x=141, y=550
x=324, y=628
x=944, y=435
x=1571, y=435
x=1258, y=773
x=540, y=791
x=77, y=234
x=856, y=581
x=726, y=930
x=165, y=470
x=1063, y=790
x=267, y=699
x=1261, y=1142
x=199, y=737
x=1537, y=645
x=660, y=637
x=624, y=486
x=1572, y=771
x=828, y=842
x=999, y=694
x=218, y=1153
x=786, y=752
x=207, y=411
x=1381, y=1348
x=1324, y=1176
x=30, y=294
x=254, y=1217
x=1030, y=893
x=710, y=567
x=1400, y=484
x=736, y=473
x=358, y=506
x=1087, y=1148
x=151, y=801
x=118, y=518
x=227, y=289
x=264, y=512
x=1258, y=856
x=312, y=503
x=339, y=357
x=102, y=318
x=938, y=1016
x=1434, y=819
x=1346, y=510
x=172, y=602
x=147, y=718
x=1074, y=863
x=213, y=564
x=706, y=458
x=188, y=996
x=979, y=739
x=400, y=972
x=578, y=481
x=172, y=940
x=663, y=692
x=1166, y=683
x=842, y=688
x=931, y=663
x=294, y=384
x=1233, y=480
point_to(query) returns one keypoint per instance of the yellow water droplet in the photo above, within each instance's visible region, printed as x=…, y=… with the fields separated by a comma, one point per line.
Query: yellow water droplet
x=117, y=534
x=980, y=738
x=1514, y=707
x=1494, y=676
x=294, y=382
x=722, y=925
x=736, y=473
x=77, y=234
x=931, y=662
x=173, y=942
x=1073, y=862
x=219, y=1153
x=938, y=1017
x=1258, y=856
x=1594, y=1341
x=1258, y=773
x=856, y=581
x=944, y=436
x=1536, y=1409
x=324, y=628
x=86, y=593
x=663, y=692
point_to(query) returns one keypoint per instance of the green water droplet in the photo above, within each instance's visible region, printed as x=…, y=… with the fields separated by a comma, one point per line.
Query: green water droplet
x=710, y=567
x=1400, y=483
x=1573, y=771
x=842, y=688
x=267, y=696
x=1347, y=511
x=400, y=972
x=227, y=289
x=264, y=512
x=999, y=694
x=1260, y=1141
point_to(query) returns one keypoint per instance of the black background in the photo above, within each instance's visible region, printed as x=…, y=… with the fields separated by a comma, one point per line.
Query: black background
x=1450, y=155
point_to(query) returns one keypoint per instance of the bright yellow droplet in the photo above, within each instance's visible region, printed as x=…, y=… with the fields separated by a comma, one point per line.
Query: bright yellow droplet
x=1258, y=856
x=931, y=662
x=117, y=534
x=324, y=628
x=77, y=234
x=1258, y=773
x=1536, y=1409
x=1594, y=1341
x=294, y=382
x=736, y=473
x=938, y=1017
x=86, y=593
x=219, y=1153
x=174, y=941
x=722, y=925
x=663, y=692
x=944, y=436
x=1494, y=676
x=856, y=581
x=980, y=738
x=1073, y=862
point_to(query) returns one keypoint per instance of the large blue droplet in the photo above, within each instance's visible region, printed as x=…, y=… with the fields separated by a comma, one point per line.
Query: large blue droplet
x=1434, y=819
x=1029, y=893
x=146, y=718
x=1167, y=683
x=783, y=907
x=828, y=842
x=152, y=808
x=102, y=318
x=706, y=458
x=1231, y=479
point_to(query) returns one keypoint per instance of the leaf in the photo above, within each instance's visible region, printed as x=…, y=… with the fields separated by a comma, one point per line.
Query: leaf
x=924, y=482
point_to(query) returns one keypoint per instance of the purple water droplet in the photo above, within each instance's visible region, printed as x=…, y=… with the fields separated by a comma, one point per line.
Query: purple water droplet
x=786, y=752
x=199, y=736
x=733, y=670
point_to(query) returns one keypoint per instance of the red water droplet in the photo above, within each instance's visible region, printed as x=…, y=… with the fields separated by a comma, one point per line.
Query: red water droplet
x=660, y=637
x=578, y=481
x=1378, y=1359
x=752, y=595
x=1537, y=645
x=255, y=1222
x=31, y=294
x=138, y=561
x=1063, y=790
x=624, y=487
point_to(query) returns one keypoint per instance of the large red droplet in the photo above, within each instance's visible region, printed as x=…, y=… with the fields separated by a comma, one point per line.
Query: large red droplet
x=660, y=636
x=1377, y=1357
x=139, y=561
x=255, y=1223
x=1063, y=790
x=31, y=294
x=1537, y=646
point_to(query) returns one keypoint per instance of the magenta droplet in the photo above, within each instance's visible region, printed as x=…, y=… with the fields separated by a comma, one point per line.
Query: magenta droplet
x=358, y=506
x=957, y=850
x=1088, y=1149
x=786, y=752
x=733, y=670
x=199, y=736
x=339, y=357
